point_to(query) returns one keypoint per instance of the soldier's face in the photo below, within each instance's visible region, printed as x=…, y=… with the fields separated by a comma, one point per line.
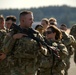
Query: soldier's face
x=50, y=34
x=44, y=24
x=63, y=28
x=28, y=20
x=8, y=24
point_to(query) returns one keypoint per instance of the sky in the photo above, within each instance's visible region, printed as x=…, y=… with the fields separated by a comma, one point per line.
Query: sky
x=19, y=4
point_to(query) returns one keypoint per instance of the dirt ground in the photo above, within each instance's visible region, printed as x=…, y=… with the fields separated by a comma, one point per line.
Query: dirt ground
x=72, y=70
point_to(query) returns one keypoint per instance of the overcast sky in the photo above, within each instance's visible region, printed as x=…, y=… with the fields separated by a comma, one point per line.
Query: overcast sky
x=6, y=4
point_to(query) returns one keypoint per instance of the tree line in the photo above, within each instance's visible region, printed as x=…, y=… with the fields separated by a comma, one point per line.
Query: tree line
x=63, y=14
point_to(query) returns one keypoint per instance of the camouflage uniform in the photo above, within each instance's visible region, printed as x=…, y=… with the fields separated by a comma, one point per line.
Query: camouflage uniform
x=72, y=32
x=26, y=56
x=2, y=36
x=45, y=65
x=3, y=64
x=54, y=66
x=67, y=40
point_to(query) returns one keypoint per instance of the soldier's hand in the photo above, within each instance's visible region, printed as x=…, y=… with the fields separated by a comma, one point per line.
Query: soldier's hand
x=18, y=35
x=2, y=56
x=55, y=51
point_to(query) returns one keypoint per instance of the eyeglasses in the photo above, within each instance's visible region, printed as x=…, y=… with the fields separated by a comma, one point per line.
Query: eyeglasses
x=49, y=32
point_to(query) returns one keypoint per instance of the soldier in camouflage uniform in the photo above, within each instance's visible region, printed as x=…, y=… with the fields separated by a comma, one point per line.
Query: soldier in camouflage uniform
x=54, y=66
x=68, y=40
x=3, y=65
x=25, y=55
x=45, y=24
x=8, y=22
x=2, y=32
x=53, y=21
x=72, y=32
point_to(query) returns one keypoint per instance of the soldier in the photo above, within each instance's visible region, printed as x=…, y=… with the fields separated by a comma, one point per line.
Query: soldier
x=39, y=28
x=63, y=27
x=8, y=21
x=72, y=32
x=67, y=40
x=54, y=66
x=45, y=24
x=2, y=30
x=52, y=21
x=2, y=33
x=25, y=52
x=3, y=64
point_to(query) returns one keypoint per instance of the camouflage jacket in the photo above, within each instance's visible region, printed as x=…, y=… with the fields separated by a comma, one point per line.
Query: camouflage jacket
x=68, y=40
x=25, y=55
x=73, y=32
x=59, y=63
x=59, y=45
x=55, y=64
x=2, y=36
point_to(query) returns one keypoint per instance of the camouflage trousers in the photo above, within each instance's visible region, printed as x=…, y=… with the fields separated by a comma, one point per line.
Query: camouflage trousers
x=23, y=66
x=67, y=61
x=46, y=71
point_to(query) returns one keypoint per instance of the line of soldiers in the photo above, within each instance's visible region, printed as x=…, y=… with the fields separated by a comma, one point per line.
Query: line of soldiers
x=67, y=39
x=24, y=51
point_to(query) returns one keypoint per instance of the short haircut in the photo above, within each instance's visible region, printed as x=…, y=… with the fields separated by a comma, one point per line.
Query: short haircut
x=63, y=25
x=52, y=19
x=46, y=20
x=11, y=17
x=37, y=26
x=23, y=13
